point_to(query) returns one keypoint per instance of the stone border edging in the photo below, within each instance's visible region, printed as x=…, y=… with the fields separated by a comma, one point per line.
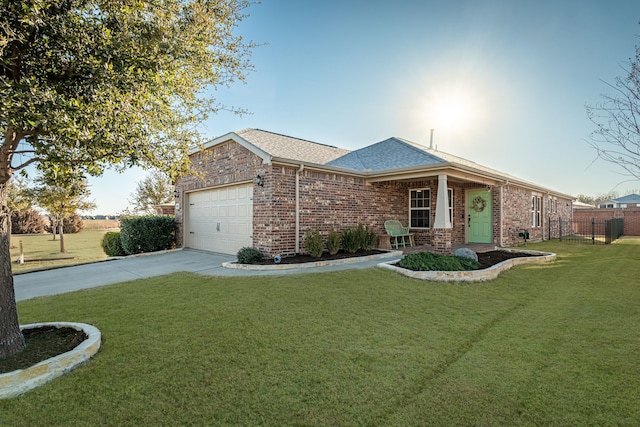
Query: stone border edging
x=473, y=275
x=15, y=383
x=310, y=264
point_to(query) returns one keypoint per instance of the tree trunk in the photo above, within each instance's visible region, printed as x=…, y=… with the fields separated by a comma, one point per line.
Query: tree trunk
x=61, y=234
x=54, y=228
x=11, y=339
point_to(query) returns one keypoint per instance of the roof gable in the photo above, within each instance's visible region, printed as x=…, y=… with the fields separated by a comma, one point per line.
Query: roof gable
x=392, y=153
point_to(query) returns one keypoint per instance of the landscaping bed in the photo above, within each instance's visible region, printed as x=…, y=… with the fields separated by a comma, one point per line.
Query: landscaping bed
x=485, y=259
x=41, y=344
x=302, y=259
x=491, y=264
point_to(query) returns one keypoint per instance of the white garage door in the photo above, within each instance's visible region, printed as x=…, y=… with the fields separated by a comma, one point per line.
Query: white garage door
x=220, y=220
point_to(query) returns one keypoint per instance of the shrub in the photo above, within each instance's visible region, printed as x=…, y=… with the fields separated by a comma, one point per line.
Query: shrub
x=427, y=261
x=350, y=240
x=359, y=237
x=111, y=244
x=248, y=255
x=333, y=242
x=147, y=234
x=370, y=239
x=27, y=222
x=313, y=243
x=72, y=225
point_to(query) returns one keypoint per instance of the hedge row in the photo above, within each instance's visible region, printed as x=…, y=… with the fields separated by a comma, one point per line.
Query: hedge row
x=141, y=234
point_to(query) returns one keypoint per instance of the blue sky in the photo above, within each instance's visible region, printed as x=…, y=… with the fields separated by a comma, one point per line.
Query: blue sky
x=514, y=75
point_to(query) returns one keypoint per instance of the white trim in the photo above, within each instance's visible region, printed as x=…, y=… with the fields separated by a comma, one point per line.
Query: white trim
x=427, y=208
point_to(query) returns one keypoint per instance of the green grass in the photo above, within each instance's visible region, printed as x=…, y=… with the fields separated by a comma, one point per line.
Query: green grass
x=545, y=345
x=81, y=248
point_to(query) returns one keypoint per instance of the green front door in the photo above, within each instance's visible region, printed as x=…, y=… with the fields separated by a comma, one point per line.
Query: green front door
x=479, y=218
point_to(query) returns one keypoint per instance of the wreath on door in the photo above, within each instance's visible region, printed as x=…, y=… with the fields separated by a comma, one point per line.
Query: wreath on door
x=478, y=204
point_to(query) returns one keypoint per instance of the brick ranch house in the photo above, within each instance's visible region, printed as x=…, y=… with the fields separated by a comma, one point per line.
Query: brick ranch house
x=254, y=188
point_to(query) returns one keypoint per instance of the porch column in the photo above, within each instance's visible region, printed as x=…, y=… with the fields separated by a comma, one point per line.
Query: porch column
x=442, y=205
x=442, y=230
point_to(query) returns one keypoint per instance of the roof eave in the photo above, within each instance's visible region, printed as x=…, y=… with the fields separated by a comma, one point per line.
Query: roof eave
x=459, y=171
x=456, y=170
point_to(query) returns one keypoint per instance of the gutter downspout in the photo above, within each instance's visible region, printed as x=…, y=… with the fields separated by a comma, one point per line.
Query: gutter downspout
x=501, y=216
x=298, y=208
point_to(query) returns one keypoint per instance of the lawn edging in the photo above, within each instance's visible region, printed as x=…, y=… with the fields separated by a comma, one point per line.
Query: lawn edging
x=310, y=264
x=473, y=275
x=16, y=383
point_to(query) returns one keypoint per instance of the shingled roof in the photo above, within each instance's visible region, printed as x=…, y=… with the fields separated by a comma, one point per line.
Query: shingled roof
x=287, y=147
x=391, y=156
x=630, y=198
x=392, y=153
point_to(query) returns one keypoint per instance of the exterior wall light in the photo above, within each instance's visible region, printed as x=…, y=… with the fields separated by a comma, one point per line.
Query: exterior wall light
x=259, y=180
x=176, y=194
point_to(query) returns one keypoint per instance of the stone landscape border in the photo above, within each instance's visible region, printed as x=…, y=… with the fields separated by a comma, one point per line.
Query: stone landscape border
x=15, y=383
x=310, y=264
x=473, y=275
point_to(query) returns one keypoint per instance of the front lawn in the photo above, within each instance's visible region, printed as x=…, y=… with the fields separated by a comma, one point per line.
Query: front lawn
x=552, y=344
x=41, y=251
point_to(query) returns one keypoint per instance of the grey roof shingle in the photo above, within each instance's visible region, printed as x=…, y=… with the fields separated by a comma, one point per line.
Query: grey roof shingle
x=388, y=155
x=392, y=153
x=287, y=147
x=398, y=153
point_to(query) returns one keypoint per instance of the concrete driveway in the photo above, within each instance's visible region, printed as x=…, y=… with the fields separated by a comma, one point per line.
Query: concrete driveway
x=69, y=279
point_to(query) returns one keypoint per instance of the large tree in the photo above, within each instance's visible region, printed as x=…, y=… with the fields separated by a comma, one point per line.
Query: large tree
x=155, y=189
x=617, y=120
x=85, y=84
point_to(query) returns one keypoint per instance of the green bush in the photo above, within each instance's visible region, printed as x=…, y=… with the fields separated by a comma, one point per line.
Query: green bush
x=351, y=240
x=333, y=242
x=147, y=234
x=248, y=255
x=313, y=243
x=427, y=261
x=359, y=237
x=111, y=244
x=370, y=239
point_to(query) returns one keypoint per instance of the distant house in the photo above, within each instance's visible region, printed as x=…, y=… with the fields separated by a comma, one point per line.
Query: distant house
x=581, y=205
x=625, y=202
x=265, y=190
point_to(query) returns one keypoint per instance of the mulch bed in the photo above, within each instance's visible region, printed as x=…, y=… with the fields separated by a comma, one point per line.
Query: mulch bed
x=491, y=258
x=486, y=259
x=41, y=344
x=299, y=259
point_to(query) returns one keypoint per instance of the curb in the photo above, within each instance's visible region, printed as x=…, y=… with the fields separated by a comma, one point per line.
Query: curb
x=15, y=383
